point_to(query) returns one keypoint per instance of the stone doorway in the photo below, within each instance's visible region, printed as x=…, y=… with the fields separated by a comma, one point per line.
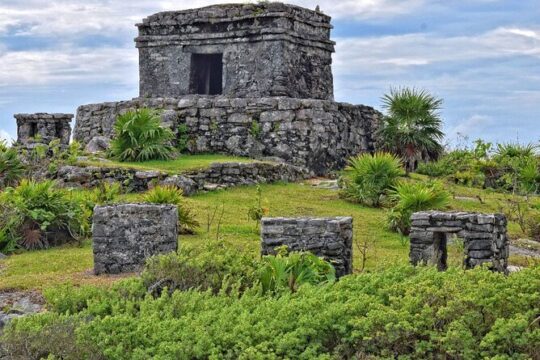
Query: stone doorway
x=440, y=252
x=206, y=76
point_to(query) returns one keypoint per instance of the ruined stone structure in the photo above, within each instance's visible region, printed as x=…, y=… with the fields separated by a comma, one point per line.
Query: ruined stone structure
x=217, y=176
x=329, y=238
x=484, y=236
x=43, y=128
x=243, y=79
x=125, y=235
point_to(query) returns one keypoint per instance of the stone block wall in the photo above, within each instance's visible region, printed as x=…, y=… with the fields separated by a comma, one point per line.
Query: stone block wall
x=316, y=134
x=125, y=235
x=217, y=176
x=329, y=238
x=484, y=236
x=43, y=128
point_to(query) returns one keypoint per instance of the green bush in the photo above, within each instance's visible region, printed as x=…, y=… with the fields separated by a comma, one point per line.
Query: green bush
x=139, y=136
x=174, y=196
x=214, y=266
x=412, y=197
x=33, y=208
x=11, y=168
x=400, y=312
x=290, y=271
x=370, y=177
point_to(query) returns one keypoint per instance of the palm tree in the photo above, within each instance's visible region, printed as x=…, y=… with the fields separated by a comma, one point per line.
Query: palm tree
x=411, y=127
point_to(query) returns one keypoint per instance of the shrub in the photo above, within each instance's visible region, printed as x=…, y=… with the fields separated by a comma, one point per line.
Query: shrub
x=399, y=312
x=370, y=177
x=290, y=271
x=412, y=197
x=139, y=136
x=174, y=196
x=37, y=207
x=214, y=266
x=11, y=168
x=533, y=227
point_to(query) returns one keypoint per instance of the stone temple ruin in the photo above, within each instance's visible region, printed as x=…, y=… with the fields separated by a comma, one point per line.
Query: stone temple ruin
x=43, y=128
x=484, y=236
x=243, y=79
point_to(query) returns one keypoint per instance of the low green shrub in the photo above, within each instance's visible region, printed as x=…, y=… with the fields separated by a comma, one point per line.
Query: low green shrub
x=399, y=312
x=174, y=196
x=412, y=197
x=139, y=136
x=370, y=177
x=211, y=267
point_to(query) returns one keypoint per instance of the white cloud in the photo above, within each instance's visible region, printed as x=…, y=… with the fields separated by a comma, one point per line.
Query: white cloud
x=4, y=135
x=67, y=18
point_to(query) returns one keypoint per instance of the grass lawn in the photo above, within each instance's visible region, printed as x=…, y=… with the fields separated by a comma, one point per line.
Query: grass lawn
x=183, y=163
x=73, y=264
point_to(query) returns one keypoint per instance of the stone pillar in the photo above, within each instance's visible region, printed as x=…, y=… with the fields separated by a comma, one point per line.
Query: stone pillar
x=484, y=236
x=329, y=238
x=125, y=235
x=43, y=128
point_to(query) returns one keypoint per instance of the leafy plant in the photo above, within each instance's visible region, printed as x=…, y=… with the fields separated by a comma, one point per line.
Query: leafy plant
x=370, y=177
x=413, y=197
x=289, y=271
x=257, y=211
x=139, y=136
x=412, y=126
x=183, y=138
x=255, y=129
x=174, y=196
x=37, y=207
x=11, y=168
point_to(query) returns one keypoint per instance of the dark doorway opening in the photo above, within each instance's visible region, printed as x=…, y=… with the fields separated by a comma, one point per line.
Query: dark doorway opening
x=206, y=76
x=33, y=130
x=440, y=253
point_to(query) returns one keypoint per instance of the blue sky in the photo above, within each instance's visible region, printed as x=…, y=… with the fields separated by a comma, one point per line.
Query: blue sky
x=481, y=56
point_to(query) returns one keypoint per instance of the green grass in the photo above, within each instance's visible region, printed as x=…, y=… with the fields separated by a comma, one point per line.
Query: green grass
x=74, y=264
x=183, y=163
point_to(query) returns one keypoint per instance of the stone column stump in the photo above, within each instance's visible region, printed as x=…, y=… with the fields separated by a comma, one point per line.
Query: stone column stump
x=125, y=235
x=329, y=238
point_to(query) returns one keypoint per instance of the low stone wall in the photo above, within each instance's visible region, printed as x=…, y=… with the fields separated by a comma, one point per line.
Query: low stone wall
x=319, y=135
x=125, y=235
x=217, y=176
x=329, y=238
x=484, y=235
x=43, y=128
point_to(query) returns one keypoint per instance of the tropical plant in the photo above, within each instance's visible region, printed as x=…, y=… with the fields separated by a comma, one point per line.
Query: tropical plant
x=139, y=136
x=289, y=271
x=38, y=207
x=174, y=196
x=412, y=125
x=412, y=197
x=11, y=168
x=257, y=211
x=370, y=177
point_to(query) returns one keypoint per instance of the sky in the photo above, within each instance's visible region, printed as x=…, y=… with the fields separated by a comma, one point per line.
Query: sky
x=482, y=57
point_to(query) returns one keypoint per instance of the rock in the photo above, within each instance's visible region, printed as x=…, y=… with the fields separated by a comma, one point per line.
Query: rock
x=187, y=185
x=2, y=256
x=98, y=144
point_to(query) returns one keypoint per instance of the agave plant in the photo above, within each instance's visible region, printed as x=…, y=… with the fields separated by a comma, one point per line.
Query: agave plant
x=412, y=126
x=174, y=196
x=139, y=136
x=412, y=197
x=371, y=176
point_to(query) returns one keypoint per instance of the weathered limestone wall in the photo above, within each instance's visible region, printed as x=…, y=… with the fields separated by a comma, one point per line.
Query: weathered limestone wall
x=484, y=235
x=125, y=235
x=217, y=176
x=316, y=134
x=269, y=49
x=43, y=128
x=329, y=238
